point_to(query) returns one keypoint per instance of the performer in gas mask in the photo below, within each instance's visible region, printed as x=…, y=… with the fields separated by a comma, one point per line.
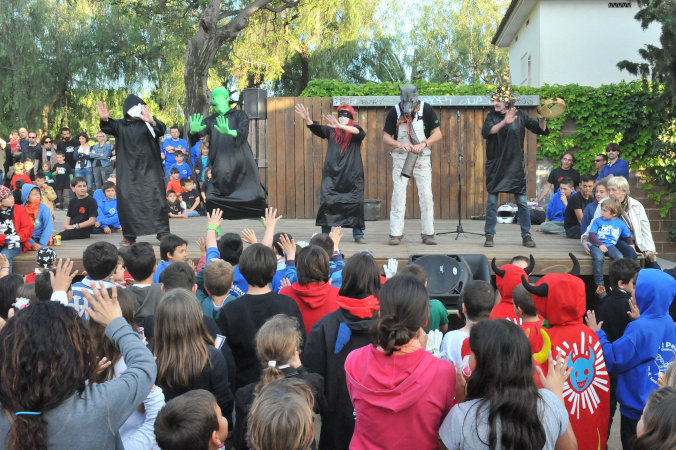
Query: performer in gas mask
x=411, y=127
x=142, y=203
x=505, y=130
x=235, y=186
x=342, y=195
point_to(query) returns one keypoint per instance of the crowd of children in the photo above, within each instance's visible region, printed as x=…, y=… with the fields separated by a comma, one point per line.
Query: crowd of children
x=232, y=360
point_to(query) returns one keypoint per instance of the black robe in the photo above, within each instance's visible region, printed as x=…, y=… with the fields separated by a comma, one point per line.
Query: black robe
x=142, y=203
x=342, y=194
x=505, y=160
x=235, y=185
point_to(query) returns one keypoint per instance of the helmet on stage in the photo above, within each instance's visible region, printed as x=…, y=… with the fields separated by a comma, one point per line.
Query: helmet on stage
x=507, y=213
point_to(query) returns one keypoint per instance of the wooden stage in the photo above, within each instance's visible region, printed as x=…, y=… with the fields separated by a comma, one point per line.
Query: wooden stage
x=551, y=253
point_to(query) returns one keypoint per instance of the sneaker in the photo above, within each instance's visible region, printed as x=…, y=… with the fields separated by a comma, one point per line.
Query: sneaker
x=489, y=241
x=361, y=240
x=601, y=291
x=127, y=242
x=429, y=241
x=395, y=240
x=528, y=241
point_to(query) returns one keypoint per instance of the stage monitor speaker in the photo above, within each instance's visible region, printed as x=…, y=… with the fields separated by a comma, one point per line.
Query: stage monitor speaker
x=256, y=103
x=448, y=275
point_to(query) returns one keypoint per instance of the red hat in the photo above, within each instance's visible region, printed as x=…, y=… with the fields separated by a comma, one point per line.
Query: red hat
x=4, y=192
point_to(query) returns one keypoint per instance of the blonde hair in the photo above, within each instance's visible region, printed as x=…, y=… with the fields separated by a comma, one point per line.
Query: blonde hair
x=670, y=376
x=276, y=342
x=18, y=166
x=281, y=416
x=613, y=205
x=180, y=341
x=619, y=182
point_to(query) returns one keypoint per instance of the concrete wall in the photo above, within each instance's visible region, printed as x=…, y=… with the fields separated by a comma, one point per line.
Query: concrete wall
x=579, y=42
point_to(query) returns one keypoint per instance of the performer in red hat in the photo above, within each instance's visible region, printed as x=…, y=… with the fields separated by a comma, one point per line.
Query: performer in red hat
x=342, y=195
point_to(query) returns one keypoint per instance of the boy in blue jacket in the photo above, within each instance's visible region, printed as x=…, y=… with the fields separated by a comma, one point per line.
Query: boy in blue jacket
x=107, y=220
x=40, y=215
x=556, y=209
x=645, y=349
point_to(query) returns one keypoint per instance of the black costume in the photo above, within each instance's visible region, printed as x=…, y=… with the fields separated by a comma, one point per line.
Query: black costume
x=320, y=357
x=505, y=162
x=342, y=194
x=142, y=202
x=235, y=185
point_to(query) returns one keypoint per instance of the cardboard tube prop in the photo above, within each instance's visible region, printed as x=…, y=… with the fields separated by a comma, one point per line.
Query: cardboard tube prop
x=411, y=158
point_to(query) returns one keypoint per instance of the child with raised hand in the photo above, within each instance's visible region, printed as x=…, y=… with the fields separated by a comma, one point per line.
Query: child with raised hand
x=478, y=300
x=291, y=399
x=395, y=381
x=646, y=341
x=172, y=248
x=604, y=233
x=656, y=430
x=191, y=420
x=313, y=293
x=334, y=337
x=278, y=348
x=241, y=318
x=330, y=245
x=503, y=407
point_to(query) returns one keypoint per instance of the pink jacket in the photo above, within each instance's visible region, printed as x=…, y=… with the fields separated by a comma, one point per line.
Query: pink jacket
x=400, y=401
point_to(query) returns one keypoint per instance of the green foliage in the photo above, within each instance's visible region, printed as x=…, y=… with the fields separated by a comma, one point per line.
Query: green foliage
x=622, y=113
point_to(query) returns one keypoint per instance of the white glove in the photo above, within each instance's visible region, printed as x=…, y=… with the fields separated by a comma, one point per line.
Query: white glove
x=391, y=267
x=13, y=242
x=184, y=205
x=434, y=339
x=302, y=244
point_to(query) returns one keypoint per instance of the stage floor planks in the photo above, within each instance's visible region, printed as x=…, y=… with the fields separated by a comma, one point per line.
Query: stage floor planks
x=551, y=253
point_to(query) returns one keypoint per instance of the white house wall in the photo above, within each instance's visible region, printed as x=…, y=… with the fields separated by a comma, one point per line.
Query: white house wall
x=526, y=42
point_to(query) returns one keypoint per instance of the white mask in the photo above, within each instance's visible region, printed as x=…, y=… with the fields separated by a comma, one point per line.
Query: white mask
x=343, y=120
x=136, y=111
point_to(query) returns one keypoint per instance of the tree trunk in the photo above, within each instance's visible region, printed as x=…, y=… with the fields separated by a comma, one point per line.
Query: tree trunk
x=199, y=55
x=304, y=74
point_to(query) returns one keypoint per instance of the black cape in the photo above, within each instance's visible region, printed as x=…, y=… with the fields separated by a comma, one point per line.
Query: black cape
x=235, y=186
x=319, y=357
x=142, y=204
x=505, y=161
x=342, y=192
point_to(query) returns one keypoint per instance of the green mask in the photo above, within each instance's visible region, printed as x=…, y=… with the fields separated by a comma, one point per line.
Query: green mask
x=220, y=99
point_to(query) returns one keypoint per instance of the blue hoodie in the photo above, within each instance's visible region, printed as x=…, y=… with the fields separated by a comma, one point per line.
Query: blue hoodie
x=107, y=211
x=556, y=209
x=44, y=224
x=648, y=344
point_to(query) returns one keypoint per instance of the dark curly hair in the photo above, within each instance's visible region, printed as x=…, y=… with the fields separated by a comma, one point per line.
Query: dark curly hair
x=45, y=358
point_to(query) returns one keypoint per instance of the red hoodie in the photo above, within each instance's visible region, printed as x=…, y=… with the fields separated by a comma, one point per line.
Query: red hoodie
x=506, y=284
x=24, y=228
x=314, y=300
x=400, y=401
x=586, y=392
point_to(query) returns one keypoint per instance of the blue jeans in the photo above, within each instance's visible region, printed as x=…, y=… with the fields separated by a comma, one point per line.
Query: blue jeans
x=10, y=254
x=87, y=173
x=356, y=232
x=193, y=213
x=628, y=252
x=492, y=214
x=101, y=175
x=598, y=258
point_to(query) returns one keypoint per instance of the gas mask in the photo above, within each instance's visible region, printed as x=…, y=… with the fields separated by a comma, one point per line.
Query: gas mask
x=408, y=94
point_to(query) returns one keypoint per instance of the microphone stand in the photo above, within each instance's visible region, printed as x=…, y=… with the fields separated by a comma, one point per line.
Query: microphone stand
x=458, y=229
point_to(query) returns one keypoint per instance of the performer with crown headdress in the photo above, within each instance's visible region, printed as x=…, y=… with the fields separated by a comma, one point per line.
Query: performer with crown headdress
x=505, y=130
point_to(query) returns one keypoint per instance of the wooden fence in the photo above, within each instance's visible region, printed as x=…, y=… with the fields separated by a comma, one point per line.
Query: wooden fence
x=290, y=159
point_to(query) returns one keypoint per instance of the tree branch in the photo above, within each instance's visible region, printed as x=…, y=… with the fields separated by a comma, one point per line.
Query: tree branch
x=286, y=5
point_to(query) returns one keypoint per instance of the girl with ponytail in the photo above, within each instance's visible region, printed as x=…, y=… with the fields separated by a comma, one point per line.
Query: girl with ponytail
x=277, y=344
x=396, y=384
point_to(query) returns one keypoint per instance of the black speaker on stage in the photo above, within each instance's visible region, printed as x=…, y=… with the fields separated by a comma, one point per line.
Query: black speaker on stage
x=256, y=103
x=447, y=275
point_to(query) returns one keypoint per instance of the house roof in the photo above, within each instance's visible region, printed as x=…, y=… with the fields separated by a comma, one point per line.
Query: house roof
x=516, y=14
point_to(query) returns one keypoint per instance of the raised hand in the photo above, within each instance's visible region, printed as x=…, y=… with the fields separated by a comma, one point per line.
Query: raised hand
x=63, y=277
x=336, y=235
x=331, y=121
x=557, y=374
x=215, y=218
x=196, y=123
x=303, y=112
x=223, y=127
x=391, y=267
x=249, y=236
x=288, y=246
x=104, y=114
x=510, y=117
x=202, y=245
x=633, y=312
x=191, y=263
x=590, y=319
x=285, y=282
x=271, y=218
x=145, y=114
